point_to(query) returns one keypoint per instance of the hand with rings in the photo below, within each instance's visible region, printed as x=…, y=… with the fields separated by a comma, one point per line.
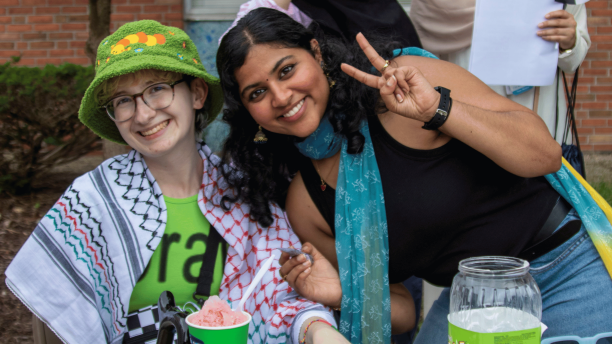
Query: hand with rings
x=317, y=282
x=404, y=89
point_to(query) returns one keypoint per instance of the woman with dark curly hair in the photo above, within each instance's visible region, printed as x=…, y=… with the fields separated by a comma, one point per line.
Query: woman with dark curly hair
x=389, y=177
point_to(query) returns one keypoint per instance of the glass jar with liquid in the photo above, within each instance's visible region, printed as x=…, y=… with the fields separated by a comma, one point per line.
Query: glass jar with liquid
x=494, y=300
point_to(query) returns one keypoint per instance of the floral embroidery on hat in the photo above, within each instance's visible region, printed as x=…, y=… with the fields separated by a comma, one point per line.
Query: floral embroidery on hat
x=98, y=62
x=196, y=61
x=108, y=58
x=170, y=32
x=183, y=45
x=139, y=50
x=180, y=56
x=105, y=43
x=140, y=37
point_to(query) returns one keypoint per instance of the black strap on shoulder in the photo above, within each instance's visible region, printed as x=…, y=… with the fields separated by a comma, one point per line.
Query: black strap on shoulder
x=208, y=265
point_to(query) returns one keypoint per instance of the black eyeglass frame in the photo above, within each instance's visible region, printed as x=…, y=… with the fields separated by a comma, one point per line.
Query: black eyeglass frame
x=134, y=96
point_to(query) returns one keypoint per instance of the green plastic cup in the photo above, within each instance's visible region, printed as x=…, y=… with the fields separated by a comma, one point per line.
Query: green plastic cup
x=235, y=334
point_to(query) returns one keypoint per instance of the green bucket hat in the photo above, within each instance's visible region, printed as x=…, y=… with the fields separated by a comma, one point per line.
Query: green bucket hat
x=144, y=44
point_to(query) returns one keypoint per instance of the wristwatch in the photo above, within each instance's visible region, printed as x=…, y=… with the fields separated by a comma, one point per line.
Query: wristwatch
x=444, y=108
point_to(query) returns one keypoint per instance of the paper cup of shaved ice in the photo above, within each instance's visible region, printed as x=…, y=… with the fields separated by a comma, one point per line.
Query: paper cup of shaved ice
x=216, y=322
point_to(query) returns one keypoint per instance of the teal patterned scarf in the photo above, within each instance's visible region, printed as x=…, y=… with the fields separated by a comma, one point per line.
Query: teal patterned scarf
x=362, y=244
x=594, y=211
x=361, y=236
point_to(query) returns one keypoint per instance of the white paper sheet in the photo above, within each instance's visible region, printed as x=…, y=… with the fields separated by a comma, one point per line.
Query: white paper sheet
x=505, y=47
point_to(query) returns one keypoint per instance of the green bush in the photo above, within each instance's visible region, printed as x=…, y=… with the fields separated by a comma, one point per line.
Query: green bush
x=605, y=190
x=39, y=121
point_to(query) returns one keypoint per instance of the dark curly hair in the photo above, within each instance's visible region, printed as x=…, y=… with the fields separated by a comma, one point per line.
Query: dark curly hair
x=263, y=172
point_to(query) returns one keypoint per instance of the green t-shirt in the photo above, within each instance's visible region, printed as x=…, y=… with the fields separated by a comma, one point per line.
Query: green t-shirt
x=175, y=264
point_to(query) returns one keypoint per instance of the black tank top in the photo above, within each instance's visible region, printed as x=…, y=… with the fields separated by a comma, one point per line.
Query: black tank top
x=444, y=205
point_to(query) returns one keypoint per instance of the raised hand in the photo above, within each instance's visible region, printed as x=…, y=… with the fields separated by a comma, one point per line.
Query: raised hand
x=560, y=26
x=318, y=282
x=404, y=89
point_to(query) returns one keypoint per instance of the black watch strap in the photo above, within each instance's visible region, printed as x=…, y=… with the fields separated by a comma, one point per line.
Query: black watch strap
x=444, y=108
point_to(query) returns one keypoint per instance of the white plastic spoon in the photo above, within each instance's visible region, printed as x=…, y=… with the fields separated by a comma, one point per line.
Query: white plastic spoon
x=260, y=274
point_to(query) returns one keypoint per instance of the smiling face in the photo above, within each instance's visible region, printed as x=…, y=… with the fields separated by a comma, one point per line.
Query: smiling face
x=157, y=133
x=284, y=89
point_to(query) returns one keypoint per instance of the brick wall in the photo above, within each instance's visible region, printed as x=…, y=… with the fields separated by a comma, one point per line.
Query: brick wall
x=594, y=94
x=55, y=31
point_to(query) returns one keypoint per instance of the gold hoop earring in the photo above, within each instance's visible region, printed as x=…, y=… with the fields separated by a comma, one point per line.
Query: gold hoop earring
x=260, y=137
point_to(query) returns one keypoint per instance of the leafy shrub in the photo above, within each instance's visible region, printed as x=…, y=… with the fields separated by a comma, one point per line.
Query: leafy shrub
x=39, y=121
x=605, y=190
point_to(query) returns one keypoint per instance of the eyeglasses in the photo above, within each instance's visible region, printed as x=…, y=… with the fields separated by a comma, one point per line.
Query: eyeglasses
x=602, y=338
x=157, y=96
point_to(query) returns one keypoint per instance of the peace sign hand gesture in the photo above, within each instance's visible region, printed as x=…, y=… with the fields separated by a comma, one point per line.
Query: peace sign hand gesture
x=404, y=89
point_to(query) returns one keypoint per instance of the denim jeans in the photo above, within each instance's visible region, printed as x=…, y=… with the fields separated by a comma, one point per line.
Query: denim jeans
x=576, y=293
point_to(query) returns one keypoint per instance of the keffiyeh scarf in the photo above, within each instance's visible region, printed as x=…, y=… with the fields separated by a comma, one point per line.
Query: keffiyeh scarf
x=78, y=268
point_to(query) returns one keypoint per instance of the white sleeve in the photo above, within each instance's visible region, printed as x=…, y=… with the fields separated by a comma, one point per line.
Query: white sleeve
x=568, y=62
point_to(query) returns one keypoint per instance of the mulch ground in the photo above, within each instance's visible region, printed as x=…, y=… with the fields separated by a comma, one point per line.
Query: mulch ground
x=18, y=218
x=20, y=214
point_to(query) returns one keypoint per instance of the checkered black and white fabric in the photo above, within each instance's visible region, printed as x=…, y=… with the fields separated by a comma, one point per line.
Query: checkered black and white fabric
x=143, y=325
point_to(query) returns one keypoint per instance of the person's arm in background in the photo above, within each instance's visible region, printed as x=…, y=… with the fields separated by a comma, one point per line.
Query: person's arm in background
x=569, y=29
x=284, y=4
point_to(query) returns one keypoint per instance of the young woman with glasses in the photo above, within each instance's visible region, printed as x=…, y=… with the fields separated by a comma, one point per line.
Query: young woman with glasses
x=152, y=220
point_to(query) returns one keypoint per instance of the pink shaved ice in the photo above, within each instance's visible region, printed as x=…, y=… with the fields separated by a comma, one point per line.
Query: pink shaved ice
x=216, y=313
